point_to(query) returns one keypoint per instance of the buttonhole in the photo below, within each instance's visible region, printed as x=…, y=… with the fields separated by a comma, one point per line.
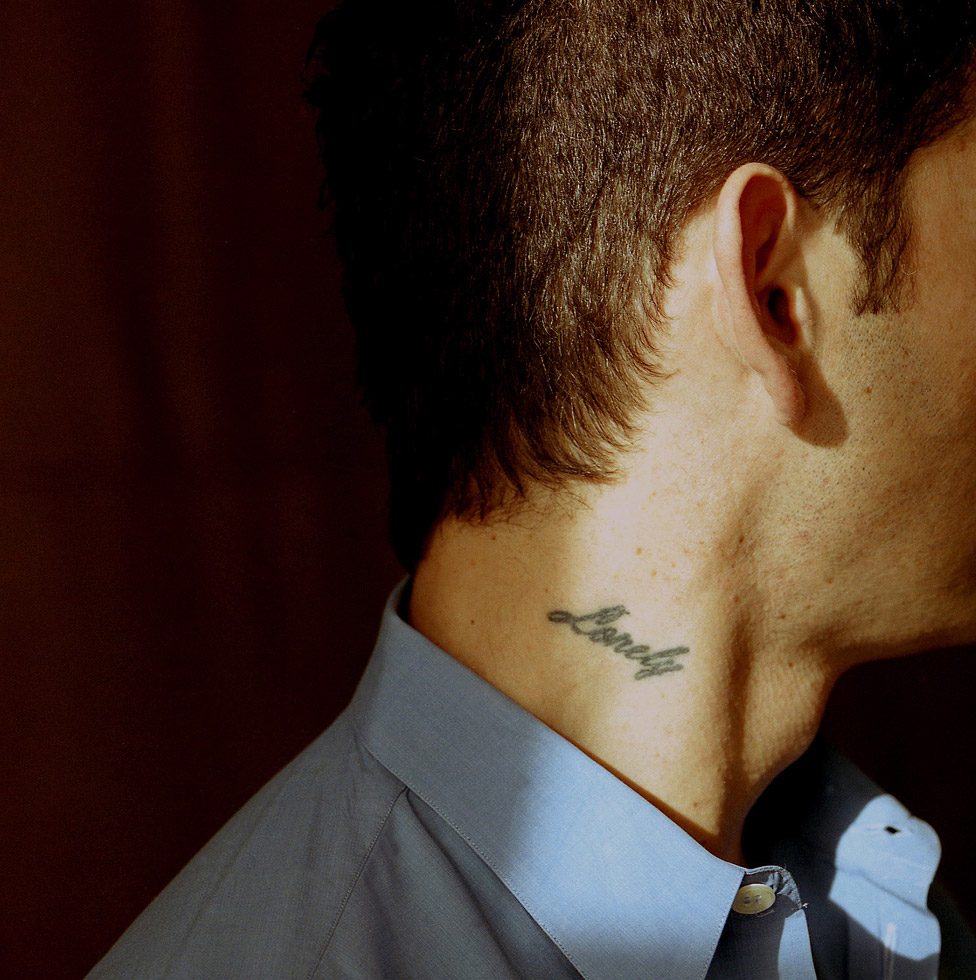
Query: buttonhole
x=892, y=830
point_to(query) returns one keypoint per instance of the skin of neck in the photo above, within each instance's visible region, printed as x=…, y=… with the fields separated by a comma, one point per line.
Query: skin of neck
x=748, y=532
x=700, y=742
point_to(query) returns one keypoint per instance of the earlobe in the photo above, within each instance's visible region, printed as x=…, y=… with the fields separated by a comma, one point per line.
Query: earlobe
x=753, y=243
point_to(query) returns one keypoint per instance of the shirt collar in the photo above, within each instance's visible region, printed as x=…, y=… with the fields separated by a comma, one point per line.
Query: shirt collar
x=616, y=884
x=602, y=871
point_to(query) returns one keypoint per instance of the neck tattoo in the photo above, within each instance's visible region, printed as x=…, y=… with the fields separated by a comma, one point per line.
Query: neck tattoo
x=599, y=630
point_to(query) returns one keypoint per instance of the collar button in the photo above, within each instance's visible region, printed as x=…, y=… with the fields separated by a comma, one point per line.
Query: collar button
x=753, y=899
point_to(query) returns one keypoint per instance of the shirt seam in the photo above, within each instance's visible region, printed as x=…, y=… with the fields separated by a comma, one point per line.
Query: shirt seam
x=352, y=887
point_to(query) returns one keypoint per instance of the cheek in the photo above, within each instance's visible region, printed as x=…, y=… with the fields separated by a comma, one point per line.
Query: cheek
x=934, y=356
x=952, y=373
x=912, y=423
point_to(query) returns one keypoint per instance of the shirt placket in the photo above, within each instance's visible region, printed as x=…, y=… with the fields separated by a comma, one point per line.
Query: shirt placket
x=766, y=933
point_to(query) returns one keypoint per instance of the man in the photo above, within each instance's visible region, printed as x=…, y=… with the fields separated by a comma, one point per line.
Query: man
x=668, y=310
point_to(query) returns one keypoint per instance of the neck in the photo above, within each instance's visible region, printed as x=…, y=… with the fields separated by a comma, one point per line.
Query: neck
x=669, y=664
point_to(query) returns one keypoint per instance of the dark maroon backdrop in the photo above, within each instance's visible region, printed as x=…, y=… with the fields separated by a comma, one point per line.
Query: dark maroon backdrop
x=193, y=531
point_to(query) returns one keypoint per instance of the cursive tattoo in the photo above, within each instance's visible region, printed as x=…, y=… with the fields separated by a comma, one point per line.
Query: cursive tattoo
x=600, y=631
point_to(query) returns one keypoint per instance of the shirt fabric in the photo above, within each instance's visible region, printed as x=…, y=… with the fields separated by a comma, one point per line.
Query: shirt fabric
x=439, y=830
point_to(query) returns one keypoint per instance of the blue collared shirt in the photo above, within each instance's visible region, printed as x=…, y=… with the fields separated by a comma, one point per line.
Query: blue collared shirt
x=439, y=830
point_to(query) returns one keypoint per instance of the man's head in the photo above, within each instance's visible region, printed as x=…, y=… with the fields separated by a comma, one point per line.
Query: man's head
x=512, y=181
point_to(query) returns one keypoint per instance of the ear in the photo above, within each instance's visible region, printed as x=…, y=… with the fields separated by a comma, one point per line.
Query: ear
x=754, y=240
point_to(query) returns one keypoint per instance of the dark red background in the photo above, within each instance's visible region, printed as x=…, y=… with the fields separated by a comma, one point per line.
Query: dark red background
x=193, y=529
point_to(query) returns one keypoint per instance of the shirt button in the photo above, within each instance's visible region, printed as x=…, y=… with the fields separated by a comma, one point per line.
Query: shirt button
x=752, y=899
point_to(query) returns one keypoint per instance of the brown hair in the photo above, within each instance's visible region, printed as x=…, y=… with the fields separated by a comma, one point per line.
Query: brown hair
x=509, y=179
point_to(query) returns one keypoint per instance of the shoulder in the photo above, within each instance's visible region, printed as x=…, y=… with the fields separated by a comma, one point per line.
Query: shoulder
x=263, y=896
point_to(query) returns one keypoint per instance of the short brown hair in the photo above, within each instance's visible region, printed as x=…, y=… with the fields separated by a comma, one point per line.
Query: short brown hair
x=509, y=178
